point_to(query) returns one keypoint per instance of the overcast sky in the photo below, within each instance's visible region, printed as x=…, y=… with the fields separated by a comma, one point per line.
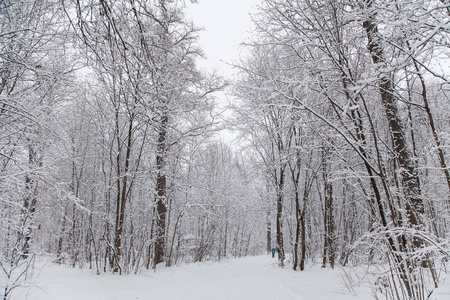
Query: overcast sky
x=226, y=24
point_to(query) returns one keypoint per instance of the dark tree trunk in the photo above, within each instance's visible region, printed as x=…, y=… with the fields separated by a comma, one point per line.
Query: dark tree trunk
x=329, y=225
x=303, y=233
x=123, y=192
x=307, y=188
x=280, y=244
x=297, y=225
x=295, y=175
x=175, y=230
x=150, y=246
x=409, y=174
x=328, y=249
x=161, y=192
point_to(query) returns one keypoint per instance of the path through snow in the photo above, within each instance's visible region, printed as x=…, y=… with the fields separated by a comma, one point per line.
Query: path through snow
x=248, y=278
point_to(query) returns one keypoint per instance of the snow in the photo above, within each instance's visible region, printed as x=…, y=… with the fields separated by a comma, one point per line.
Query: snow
x=247, y=278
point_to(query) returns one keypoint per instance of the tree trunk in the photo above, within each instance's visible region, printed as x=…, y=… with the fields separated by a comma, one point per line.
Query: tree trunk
x=303, y=233
x=408, y=171
x=297, y=226
x=149, y=248
x=30, y=202
x=307, y=188
x=161, y=192
x=295, y=175
x=123, y=192
x=225, y=236
x=409, y=174
x=175, y=229
x=280, y=246
x=269, y=232
x=328, y=250
x=61, y=236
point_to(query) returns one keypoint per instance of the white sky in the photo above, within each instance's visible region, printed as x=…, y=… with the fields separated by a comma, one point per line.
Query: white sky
x=226, y=24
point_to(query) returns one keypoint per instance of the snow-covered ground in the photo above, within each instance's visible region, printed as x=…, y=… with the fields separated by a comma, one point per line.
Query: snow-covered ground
x=247, y=278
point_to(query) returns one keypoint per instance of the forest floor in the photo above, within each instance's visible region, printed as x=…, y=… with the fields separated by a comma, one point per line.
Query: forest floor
x=249, y=278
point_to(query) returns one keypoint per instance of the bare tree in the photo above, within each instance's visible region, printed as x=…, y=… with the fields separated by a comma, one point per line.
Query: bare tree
x=323, y=65
x=31, y=70
x=157, y=94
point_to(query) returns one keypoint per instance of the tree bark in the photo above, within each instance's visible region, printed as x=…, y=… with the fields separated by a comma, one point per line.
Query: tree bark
x=161, y=192
x=295, y=176
x=297, y=224
x=303, y=227
x=280, y=244
x=328, y=249
x=123, y=192
x=30, y=202
x=409, y=174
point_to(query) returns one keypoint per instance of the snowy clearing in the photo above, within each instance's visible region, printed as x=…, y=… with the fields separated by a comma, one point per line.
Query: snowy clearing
x=246, y=278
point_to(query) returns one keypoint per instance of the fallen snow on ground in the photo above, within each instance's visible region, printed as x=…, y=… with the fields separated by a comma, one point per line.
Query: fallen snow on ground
x=247, y=278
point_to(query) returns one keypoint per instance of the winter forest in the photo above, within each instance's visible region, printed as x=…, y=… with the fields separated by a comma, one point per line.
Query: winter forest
x=111, y=157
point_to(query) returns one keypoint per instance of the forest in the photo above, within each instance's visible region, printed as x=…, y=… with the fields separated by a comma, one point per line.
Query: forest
x=111, y=157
